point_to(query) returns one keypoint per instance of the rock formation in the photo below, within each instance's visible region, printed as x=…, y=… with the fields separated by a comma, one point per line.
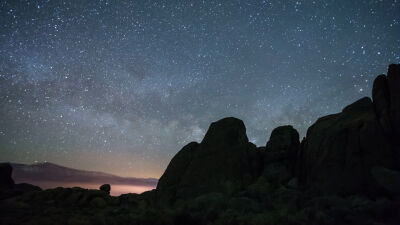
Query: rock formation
x=393, y=83
x=336, y=156
x=284, y=140
x=340, y=150
x=381, y=100
x=222, y=161
x=106, y=188
x=6, y=182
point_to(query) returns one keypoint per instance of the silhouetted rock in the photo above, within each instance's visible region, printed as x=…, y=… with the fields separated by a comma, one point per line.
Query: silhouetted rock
x=106, y=188
x=25, y=187
x=283, y=138
x=284, y=141
x=222, y=161
x=6, y=182
x=340, y=150
x=177, y=167
x=381, y=101
x=279, y=157
x=224, y=133
x=393, y=78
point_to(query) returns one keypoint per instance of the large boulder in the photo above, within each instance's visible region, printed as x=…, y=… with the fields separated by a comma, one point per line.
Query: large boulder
x=226, y=132
x=177, y=167
x=393, y=78
x=340, y=150
x=386, y=99
x=25, y=187
x=381, y=101
x=106, y=188
x=279, y=157
x=284, y=141
x=6, y=181
x=223, y=161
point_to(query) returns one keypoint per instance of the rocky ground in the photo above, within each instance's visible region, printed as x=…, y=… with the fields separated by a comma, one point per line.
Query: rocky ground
x=345, y=171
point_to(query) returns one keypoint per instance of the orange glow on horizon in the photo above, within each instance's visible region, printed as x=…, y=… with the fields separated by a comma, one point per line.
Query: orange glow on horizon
x=116, y=189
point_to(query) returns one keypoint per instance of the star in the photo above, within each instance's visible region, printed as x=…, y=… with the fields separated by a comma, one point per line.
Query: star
x=102, y=85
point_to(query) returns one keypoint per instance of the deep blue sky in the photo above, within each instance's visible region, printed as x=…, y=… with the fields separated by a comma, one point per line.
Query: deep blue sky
x=121, y=86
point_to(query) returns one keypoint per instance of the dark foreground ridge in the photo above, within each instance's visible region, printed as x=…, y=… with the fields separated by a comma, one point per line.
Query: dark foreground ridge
x=345, y=171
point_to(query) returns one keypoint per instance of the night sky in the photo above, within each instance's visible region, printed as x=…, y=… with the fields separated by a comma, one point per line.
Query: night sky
x=122, y=86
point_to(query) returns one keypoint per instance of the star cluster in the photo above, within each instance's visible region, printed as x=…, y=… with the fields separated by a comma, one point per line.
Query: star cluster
x=121, y=86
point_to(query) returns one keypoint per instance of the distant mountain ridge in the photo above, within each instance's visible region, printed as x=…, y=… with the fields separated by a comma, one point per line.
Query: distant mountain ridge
x=55, y=173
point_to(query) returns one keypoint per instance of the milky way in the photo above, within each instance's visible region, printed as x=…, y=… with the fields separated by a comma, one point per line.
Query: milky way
x=121, y=86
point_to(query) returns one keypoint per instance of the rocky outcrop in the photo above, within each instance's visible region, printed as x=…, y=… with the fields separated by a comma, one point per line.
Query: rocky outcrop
x=6, y=182
x=8, y=188
x=177, y=167
x=279, y=157
x=381, y=101
x=224, y=160
x=393, y=77
x=340, y=150
x=25, y=187
x=386, y=100
x=225, y=133
x=106, y=188
x=284, y=140
x=337, y=155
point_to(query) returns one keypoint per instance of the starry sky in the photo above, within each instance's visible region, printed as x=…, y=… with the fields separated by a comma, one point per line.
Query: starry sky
x=121, y=86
